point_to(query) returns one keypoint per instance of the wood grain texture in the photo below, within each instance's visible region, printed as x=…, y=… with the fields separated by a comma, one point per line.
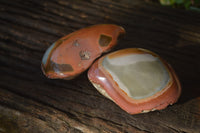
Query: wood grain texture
x=29, y=102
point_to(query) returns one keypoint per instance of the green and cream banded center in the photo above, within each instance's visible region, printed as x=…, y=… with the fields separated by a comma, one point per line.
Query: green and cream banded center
x=139, y=75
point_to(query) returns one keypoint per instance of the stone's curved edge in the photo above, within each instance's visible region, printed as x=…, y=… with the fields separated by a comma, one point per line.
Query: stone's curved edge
x=102, y=91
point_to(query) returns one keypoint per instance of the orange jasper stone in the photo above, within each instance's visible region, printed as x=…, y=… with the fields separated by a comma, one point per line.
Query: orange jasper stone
x=136, y=79
x=74, y=53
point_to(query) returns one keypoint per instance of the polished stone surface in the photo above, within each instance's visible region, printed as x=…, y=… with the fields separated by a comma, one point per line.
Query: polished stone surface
x=72, y=54
x=139, y=75
x=136, y=79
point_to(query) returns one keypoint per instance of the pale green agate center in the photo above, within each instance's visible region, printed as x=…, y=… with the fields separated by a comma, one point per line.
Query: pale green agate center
x=139, y=75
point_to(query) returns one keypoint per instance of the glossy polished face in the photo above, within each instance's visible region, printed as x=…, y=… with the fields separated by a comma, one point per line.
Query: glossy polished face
x=139, y=75
x=74, y=53
x=137, y=80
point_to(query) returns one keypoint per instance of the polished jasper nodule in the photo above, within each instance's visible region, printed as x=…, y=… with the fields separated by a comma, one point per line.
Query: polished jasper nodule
x=137, y=80
x=74, y=53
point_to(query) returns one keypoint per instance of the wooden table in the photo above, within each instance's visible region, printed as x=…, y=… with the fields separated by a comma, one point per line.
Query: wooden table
x=31, y=103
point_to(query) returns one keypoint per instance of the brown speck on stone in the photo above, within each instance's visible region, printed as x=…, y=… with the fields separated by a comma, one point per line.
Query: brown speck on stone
x=85, y=55
x=104, y=40
x=75, y=43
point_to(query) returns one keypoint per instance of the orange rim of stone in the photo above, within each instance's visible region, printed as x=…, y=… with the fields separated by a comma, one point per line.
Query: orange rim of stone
x=74, y=53
x=157, y=101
